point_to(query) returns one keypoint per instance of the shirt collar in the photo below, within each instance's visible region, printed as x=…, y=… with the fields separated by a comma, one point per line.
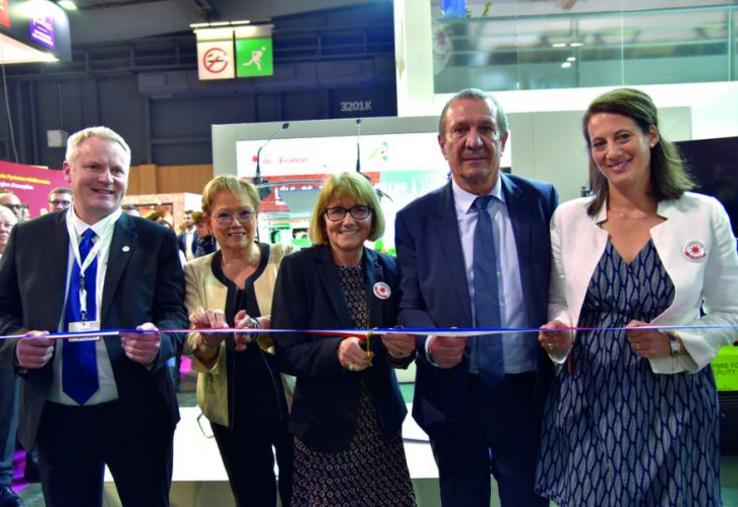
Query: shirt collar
x=464, y=199
x=80, y=226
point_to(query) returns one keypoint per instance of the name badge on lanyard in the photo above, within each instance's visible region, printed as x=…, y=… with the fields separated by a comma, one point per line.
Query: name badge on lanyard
x=85, y=325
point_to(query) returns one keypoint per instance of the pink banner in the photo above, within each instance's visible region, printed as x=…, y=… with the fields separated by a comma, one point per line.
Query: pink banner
x=31, y=184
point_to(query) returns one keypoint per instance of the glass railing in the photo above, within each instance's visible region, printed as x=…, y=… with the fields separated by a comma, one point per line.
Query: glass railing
x=582, y=49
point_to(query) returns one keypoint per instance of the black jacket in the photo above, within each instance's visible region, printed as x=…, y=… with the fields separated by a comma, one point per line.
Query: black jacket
x=309, y=295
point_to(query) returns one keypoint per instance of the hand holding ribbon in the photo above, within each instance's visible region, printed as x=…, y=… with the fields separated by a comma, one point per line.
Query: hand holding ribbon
x=142, y=347
x=446, y=351
x=400, y=345
x=647, y=343
x=33, y=350
x=244, y=321
x=209, y=319
x=558, y=344
x=352, y=355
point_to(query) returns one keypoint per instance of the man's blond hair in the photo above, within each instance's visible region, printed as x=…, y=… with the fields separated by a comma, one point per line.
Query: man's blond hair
x=103, y=133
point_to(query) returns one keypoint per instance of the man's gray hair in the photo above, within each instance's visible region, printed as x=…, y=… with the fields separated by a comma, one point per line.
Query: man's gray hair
x=102, y=132
x=475, y=94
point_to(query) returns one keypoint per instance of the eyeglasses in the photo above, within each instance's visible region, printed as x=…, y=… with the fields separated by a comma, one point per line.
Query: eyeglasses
x=337, y=213
x=14, y=206
x=57, y=202
x=225, y=218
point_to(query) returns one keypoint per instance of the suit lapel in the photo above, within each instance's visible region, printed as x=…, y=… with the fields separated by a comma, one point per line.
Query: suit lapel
x=122, y=247
x=374, y=274
x=518, y=207
x=446, y=226
x=57, y=255
x=328, y=275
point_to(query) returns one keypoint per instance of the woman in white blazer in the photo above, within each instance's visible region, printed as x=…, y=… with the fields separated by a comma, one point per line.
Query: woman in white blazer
x=632, y=417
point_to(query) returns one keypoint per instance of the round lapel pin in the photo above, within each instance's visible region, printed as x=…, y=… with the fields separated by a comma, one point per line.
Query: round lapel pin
x=382, y=290
x=126, y=248
x=694, y=251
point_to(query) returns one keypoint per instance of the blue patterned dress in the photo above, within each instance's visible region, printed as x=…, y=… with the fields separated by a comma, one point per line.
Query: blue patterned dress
x=615, y=433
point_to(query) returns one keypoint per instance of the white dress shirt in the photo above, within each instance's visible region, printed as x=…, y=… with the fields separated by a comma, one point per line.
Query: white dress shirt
x=188, y=235
x=519, y=350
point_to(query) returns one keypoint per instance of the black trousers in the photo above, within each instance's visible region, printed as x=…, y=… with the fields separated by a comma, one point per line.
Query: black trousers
x=248, y=459
x=495, y=432
x=8, y=424
x=75, y=443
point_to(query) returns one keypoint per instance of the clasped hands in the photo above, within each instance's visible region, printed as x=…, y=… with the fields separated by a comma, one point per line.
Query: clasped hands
x=648, y=343
x=34, y=349
x=215, y=319
x=354, y=357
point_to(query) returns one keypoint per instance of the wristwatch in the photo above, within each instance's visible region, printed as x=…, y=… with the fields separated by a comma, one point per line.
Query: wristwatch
x=675, y=346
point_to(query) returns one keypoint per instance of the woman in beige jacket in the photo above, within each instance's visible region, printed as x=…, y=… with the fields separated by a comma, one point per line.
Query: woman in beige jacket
x=238, y=386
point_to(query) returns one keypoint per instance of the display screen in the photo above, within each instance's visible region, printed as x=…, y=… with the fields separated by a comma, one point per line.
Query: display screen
x=714, y=165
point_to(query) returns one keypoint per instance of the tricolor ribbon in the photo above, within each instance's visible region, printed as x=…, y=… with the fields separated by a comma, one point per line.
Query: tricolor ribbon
x=418, y=331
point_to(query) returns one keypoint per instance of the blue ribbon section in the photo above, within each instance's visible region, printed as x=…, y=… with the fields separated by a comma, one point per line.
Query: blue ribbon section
x=421, y=331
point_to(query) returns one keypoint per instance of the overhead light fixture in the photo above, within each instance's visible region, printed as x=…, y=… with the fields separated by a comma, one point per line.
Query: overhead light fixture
x=566, y=65
x=67, y=5
x=14, y=51
x=558, y=45
x=571, y=59
x=576, y=44
x=220, y=24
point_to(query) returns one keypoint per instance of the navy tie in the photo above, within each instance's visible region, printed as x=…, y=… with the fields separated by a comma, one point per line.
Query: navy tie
x=79, y=364
x=488, y=348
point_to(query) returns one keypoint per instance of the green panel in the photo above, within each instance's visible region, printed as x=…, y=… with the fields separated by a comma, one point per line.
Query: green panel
x=254, y=57
x=407, y=390
x=725, y=367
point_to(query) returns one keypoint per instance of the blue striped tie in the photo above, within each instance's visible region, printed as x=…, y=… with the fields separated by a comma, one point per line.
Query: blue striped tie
x=79, y=364
x=486, y=303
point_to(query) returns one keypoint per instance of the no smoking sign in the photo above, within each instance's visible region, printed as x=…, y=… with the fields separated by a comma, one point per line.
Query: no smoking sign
x=215, y=60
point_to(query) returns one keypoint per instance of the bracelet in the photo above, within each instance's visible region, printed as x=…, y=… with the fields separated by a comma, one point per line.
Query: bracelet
x=674, y=345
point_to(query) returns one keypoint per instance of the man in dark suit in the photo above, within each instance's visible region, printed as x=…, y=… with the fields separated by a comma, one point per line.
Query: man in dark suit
x=86, y=404
x=476, y=253
x=187, y=239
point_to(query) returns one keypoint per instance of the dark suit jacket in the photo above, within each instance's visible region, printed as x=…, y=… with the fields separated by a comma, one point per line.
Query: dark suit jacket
x=204, y=245
x=309, y=295
x=181, y=241
x=435, y=291
x=143, y=283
